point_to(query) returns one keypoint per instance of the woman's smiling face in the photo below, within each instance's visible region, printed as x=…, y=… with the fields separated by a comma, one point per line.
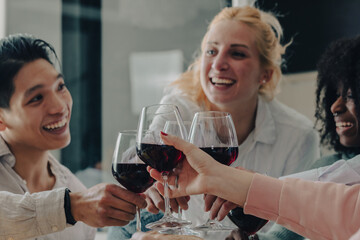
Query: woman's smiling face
x=230, y=67
x=345, y=117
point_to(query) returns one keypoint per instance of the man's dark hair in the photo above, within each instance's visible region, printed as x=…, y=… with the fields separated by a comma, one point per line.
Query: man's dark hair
x=339, y=67
x=16, y=51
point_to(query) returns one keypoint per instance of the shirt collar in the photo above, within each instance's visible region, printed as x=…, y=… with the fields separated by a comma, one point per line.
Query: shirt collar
x=5, y=153
x=265, y=130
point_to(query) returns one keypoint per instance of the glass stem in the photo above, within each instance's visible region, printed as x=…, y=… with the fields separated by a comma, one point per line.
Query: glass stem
x=138, y=219
x=166, y=193
x=179, y=212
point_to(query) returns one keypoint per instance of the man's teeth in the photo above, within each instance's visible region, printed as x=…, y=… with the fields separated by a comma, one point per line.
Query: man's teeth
x=222, y=81
x=56, y=125
x=344, y=124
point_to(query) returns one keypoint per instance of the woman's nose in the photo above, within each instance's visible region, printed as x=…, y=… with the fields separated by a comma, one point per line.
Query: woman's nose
x=220, y=63
x=338, y=106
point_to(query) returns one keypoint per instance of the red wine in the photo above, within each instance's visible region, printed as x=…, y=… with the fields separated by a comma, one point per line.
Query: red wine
x=248, y=223
x=161, y=157
x=132, y=176
x=224, y=155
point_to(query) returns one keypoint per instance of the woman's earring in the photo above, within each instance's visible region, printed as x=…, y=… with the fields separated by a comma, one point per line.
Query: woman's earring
x=264, y=81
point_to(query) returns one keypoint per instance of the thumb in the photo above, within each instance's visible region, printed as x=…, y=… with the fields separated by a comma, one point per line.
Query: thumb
x=177, y=142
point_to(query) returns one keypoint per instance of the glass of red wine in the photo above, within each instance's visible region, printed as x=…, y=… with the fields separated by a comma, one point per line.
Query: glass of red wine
x=247, y=223
x=164, y=158
x=214, y=133
x=174, y=128
x=128, y=169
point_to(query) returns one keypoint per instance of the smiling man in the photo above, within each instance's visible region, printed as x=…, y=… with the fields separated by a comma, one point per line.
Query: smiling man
x=35, y=111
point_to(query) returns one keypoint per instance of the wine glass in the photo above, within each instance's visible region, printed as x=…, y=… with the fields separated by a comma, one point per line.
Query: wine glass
x=164, y=158
x=128, y=169
x=173, y=127
x=214, y=133
x=247, y=223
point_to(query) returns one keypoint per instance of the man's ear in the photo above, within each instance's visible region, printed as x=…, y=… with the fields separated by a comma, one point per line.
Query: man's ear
x=2, y=124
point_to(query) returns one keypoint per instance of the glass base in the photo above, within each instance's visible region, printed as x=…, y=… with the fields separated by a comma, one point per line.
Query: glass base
x=212, y=225
x=168, y=223
x=180, y=231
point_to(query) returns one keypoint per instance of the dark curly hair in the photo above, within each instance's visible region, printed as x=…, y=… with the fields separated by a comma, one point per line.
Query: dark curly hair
x=339, y=66
x=16, y=51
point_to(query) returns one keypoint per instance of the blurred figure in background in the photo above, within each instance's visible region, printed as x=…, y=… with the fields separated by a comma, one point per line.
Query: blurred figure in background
x=90, y=176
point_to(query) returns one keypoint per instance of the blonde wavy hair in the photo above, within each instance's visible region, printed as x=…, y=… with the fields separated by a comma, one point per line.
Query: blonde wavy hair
x=268, y=33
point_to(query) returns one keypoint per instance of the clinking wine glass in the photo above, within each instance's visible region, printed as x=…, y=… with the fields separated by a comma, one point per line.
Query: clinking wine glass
x=214, y=133
x=173, y=128
x=164, y=158
x=128, y=169
x=247, y=223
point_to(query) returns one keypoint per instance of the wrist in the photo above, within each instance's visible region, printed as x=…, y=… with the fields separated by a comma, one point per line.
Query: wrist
x=68, y=209
x=217, y=180
x=231, y=184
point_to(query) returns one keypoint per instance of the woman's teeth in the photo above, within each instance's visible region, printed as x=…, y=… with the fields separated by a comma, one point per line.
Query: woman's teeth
x=56, y=125
x=344, y=124
x=222, y=81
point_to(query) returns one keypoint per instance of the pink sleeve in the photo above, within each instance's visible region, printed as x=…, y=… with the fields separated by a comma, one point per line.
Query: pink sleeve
x=315, y=210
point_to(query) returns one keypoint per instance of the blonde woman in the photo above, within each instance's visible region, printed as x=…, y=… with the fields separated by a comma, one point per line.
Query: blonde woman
x=238, y=71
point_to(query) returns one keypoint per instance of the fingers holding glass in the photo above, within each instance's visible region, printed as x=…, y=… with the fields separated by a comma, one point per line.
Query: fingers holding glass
x=154, y=121
x=128, y=169
x=214, y=133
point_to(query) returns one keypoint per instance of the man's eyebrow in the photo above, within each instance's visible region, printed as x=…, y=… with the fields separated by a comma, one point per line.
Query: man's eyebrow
x=59, y=76
x=34, y=88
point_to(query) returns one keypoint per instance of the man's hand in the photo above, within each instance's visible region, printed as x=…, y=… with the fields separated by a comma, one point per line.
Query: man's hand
x=155, y=201
x=105, y=205
x=218, y=207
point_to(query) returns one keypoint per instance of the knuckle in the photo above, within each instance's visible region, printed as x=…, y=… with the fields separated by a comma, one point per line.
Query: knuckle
x=102, y=222
x=152, y=209
x=104, y=200
x=131, y=209
x=102, y=212
x=158, y=202
x=228, y=206
x=128, y=217
x=110, y=187
x=123, y=223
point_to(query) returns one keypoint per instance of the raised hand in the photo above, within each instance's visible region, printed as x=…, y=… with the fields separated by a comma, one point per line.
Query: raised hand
x=196, y=172
x=105, y=205
x=155, y=201
x=200, y=173
x=218, y=207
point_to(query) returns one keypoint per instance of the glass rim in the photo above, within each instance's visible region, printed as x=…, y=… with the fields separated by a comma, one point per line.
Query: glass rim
x=212, y=114
x=167, y=108
x=128, y=132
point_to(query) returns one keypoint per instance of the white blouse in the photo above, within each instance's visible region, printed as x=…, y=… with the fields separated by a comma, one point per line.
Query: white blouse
x=282, y=142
